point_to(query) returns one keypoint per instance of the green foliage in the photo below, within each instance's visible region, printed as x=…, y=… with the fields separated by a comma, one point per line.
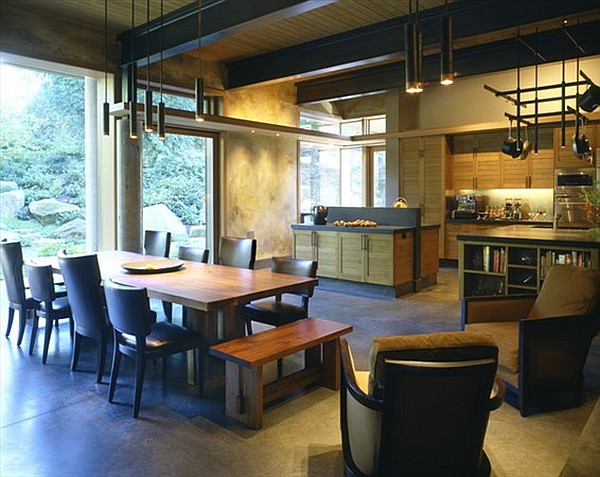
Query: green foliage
x=52, y=249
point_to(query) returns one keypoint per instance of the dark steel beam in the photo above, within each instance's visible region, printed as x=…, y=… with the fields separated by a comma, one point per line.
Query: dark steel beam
x=384, y=41
x=220, y=18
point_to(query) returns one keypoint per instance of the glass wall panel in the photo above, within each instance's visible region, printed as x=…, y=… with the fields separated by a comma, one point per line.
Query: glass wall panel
x=319, y=175
x=353, y=172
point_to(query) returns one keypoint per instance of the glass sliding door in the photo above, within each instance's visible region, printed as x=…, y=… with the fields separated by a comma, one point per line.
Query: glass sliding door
x=178, y=188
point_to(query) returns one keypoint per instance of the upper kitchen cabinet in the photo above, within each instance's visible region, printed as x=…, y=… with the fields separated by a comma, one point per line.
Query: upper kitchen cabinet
x=536, y=171
x=564, y=157
x=476, y=161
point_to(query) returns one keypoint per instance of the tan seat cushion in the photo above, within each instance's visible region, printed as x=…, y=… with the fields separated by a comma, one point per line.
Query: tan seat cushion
x=567, y=291
x=447, y=346
x=506, y=334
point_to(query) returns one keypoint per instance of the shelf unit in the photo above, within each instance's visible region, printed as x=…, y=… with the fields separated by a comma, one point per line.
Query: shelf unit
x=487, y=269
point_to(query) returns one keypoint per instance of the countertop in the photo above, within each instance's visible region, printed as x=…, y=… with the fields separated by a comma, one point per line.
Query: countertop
x=450, y=220
x=380, y=229
x=535, y=235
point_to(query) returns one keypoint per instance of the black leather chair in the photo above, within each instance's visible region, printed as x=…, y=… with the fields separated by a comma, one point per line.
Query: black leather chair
x=19, y=299
x=157, y=243
x=277, y=312
x=423, y=407
x=135, y=336
x=237, y=252
x=193, y=254
x=51, y=307
x=86, y=297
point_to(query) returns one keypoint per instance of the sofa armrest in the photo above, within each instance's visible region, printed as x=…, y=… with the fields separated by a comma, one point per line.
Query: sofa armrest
x=490, y=309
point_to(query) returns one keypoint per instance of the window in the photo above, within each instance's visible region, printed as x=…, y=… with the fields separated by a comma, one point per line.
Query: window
x=352, y=183
x=319, y=175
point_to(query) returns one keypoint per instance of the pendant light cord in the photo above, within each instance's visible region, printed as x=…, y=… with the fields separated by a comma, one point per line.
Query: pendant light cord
x=105, y=50
x=133, y=85
x=147, y=45
x=161, y=51
x=199, y=38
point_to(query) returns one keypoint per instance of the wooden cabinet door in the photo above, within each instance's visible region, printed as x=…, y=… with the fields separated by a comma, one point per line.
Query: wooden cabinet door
x=463, y=171
x=351, y=246
x=515, y=173
x=488, y=170
x=541, y=174
x=451, y=231
x=564, y=157
x=379, y=262
x=303, y=244
x=410, y=171
x=327, y=253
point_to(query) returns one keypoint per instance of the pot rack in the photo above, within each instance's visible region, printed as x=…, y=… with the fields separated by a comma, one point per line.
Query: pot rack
x=562, y=96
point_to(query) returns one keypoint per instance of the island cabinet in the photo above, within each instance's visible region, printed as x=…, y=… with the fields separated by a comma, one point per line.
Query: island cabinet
x=513, y=261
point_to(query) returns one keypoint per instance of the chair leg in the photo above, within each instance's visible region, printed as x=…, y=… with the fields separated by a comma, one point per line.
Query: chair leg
x=71, y=327
x=248, y=326
x=168, y=309
x=47, y=335
x=100, y=358
x=76, y=350
x=22, y=322
x=164, y=368
x=34, y=331
x=198, y=370
x=280, y=368
x=140, y=368
x=114, y=373
x=11, y=317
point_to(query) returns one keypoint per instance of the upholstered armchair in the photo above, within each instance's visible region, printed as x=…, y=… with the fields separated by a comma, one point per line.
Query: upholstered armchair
x=423, y=406
x=543, y=340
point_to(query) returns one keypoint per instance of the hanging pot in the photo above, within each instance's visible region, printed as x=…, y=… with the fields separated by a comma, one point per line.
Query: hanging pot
x=581, y=146
x=526, y=146
x=511, y=146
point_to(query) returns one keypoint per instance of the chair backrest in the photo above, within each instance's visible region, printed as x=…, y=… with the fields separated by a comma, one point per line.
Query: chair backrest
x=194, y=254
x=128, y=309
x=237, y=252
x=568, y=291
x=83, y=281
x=301, y=268
x=11, y=257
x=41, y=282
x=157, y=243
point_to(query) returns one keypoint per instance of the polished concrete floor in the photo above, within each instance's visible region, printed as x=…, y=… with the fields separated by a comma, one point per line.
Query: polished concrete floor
x=54, y=422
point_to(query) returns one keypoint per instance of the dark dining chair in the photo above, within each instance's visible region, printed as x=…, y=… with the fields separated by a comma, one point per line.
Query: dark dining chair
x=277, y=312
x=237, y=252
x=193, y=254
x=136, y=336
x=157, y=243
x=19, y=298
x=86, y=297
x=51, y=307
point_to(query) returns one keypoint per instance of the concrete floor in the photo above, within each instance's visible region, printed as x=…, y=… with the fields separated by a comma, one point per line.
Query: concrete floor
x=54, y=422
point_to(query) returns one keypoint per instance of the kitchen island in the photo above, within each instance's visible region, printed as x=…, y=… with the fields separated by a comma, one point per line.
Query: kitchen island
x=515, y=259
x=397, y=256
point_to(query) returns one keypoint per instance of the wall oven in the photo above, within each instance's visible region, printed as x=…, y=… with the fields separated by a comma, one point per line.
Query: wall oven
x=568, y=200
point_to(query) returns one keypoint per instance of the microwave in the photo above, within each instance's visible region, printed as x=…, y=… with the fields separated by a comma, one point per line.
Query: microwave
x=569, y=178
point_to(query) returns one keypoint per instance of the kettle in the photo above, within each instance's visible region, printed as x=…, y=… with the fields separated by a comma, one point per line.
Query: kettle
x=320, y=214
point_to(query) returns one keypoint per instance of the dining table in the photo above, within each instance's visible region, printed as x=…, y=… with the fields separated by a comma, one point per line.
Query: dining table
x=213, y=297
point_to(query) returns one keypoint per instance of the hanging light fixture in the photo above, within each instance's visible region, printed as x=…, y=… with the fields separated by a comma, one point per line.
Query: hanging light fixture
x=161, y=106
x=105, y=106
x=414, y=52
x=148, y=97
x=199, y=86
x=133, y=132
x=446, y=61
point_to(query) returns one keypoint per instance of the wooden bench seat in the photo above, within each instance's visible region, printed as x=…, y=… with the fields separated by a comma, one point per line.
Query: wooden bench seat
x=245, y=392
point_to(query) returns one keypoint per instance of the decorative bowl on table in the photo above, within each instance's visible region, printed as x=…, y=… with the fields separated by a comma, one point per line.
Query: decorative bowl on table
x=153, y=265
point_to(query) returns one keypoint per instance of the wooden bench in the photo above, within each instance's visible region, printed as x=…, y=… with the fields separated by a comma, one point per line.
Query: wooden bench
x=245, y=392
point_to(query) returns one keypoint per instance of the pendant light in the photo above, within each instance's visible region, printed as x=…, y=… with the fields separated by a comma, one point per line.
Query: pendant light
x=199, y=86
x=148, y=97
x=414, y=45
x=161, y=106
x=133, y=132
x=105, y=106
x=446, y=60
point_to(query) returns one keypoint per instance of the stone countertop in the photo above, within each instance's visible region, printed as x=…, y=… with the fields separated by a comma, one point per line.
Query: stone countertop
x=450, y=220
x=536, y=235
x=380, y=229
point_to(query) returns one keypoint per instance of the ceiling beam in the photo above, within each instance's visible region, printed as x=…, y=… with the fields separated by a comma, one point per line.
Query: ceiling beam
x=220, y=19
x=384, y=42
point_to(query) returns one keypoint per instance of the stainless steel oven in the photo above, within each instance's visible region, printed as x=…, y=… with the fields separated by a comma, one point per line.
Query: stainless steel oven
x=568, y=201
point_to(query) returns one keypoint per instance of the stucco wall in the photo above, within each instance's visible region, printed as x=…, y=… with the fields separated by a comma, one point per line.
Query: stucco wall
x=260, y=170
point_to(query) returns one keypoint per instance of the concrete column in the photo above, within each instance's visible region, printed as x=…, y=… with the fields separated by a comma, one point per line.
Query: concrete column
x=92, y=211
x=129, y=189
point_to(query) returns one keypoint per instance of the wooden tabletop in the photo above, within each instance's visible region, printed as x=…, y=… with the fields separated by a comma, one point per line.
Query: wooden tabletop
x=202, y=286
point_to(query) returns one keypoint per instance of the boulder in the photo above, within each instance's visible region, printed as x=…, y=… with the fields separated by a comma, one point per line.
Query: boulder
x=160, y=217
x=72, y=230
x=12, y=202
x=8, y=186
x=51, y=211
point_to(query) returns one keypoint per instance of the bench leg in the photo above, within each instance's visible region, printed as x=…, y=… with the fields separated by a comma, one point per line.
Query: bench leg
x=244, y=397
x=331, y=364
